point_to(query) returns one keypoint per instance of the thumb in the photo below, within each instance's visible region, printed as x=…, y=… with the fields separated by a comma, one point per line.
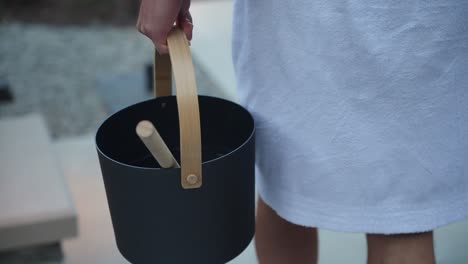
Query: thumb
x=184, y=19
x=185, y=23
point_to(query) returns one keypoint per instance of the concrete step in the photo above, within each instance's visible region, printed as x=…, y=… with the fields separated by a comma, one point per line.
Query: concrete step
x=35, y=203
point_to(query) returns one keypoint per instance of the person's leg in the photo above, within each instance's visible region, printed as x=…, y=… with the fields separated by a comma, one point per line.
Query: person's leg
x=401, y=249
x=278, y=241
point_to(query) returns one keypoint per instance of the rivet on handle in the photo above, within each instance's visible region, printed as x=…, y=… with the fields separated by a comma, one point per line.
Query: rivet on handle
x=192, y=179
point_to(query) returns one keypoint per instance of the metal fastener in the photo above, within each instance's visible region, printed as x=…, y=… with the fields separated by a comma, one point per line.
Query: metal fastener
x=192, y=179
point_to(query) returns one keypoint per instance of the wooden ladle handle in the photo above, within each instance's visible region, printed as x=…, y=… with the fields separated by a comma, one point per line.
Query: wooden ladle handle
x=155, y=144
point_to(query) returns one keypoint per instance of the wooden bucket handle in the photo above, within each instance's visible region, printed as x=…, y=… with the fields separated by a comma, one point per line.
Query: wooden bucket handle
x=187, y=103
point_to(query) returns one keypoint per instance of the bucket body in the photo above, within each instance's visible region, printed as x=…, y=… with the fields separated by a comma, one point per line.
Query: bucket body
x=155, y=219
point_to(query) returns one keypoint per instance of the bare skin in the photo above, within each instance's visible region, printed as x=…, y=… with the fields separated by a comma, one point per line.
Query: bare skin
x=277, y=240
x=280, y=242
x=401, y=249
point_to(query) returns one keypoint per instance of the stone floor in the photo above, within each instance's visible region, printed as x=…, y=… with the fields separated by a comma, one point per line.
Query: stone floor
x=54, y=71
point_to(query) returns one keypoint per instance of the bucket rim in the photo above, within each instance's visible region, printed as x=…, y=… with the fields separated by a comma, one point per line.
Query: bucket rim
x=252, y=133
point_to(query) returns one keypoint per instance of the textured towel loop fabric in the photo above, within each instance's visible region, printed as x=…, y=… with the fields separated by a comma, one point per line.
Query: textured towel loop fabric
x=361, y=110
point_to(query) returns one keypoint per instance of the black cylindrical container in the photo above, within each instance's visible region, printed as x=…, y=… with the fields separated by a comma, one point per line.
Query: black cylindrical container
x=156, y=220
x=158, y=217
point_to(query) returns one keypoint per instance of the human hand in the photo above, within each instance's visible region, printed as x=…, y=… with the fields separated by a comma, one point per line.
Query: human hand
x=157, y=17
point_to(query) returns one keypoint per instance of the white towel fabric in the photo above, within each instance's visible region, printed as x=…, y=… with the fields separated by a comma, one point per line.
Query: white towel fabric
x=361, y=110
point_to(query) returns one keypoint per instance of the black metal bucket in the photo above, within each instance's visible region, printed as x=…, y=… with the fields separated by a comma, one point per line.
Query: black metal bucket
x=158, y=220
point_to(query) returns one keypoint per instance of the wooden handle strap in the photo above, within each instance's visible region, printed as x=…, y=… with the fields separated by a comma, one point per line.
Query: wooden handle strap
x=187, y=104
x=162, y=81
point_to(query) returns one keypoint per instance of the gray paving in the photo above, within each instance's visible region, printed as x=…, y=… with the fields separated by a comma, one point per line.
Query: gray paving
x=54, y=70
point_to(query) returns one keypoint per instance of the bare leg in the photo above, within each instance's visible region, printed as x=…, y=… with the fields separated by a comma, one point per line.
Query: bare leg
x=400, y=249
x=281, y=242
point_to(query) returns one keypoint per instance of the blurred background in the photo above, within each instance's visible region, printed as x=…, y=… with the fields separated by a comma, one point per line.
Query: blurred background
x=65, y=65
x=70, y=12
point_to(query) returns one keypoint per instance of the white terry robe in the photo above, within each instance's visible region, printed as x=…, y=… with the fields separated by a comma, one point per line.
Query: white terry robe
x=361, y=109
